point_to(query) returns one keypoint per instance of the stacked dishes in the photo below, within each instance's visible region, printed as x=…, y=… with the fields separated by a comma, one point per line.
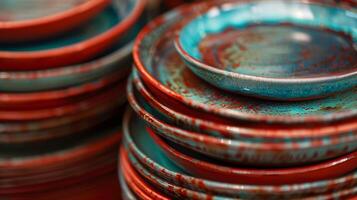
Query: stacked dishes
x=63, y=74
x=196, y=134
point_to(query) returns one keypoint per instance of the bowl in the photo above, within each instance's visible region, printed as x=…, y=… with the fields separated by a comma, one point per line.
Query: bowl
x=81, y=44
x=43, y=19
x=149, y=155
x=245, y=151
x=191, y=119
x=167, y=77
x=251, y=49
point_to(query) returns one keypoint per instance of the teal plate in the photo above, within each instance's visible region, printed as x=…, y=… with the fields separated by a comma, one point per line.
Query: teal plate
x=148, y=154
x=162, y=69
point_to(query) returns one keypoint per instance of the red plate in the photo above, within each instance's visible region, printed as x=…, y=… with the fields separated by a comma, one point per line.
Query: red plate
x=310, y=173
x=15, y=24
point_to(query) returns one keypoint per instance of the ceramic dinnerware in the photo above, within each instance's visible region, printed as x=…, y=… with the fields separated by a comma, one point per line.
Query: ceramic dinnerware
x=43, y=19
x=94, y=37
x=169, y=79
x=251, y=49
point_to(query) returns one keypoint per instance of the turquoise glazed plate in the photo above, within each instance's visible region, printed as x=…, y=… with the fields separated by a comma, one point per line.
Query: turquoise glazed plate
x=245, y=151
x=166, y=75
x=273, y=49
x=149, y=155
x=191, y=119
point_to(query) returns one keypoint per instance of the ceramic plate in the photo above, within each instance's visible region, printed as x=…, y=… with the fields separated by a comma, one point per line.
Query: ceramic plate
x=165, y=74
x=252, y=49
x=245, y=151
x=144, y=149
x=191, y=119
x=42, y=18
x=79, y=45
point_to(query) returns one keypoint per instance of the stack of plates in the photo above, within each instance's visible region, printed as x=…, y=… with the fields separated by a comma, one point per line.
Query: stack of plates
x=63, y=73
x=194, y=132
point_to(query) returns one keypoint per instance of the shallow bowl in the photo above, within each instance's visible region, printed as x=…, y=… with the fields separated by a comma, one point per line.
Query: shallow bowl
x=254, y=50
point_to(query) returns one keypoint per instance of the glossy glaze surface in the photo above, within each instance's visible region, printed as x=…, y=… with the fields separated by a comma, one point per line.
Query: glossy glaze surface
x=164, y=72
x=43, y=19
x=99, y=35
x=270, y=53
x=248, y=152
x=117, y=59
x=211, y=169
x=153, y=158
x=191, y=119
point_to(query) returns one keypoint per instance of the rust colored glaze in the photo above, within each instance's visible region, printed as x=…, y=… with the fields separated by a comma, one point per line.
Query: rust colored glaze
x=39, y=100
x=247, y=152
x=212, y=171
x=67, y=109
x=44, y=26
x=143, y=149
x=204, y=97
x=135, y=182
x=71, y=54
x=184, y=115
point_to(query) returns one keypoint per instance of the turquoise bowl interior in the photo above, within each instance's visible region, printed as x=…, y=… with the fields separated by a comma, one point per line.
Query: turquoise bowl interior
x=280, y=50
x=274, y=39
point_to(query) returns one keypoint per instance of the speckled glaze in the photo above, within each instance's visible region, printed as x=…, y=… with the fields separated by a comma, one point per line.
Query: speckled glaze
x=117, y=60
x=96, y=36
x=42, y=18
x=181, y=115
x=102, y=96
x=249, y=152
x=254, y=50
x=52, y=98
x=147, y=154
x=162, y=69
x=27, y=169
x=136, y=183
x=200, y=166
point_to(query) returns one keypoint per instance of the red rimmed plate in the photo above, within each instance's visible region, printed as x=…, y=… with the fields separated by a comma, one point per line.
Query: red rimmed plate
x=65, y=52
x=203, y=167
x=135, y=182
x=65, y=110
x=42, y=18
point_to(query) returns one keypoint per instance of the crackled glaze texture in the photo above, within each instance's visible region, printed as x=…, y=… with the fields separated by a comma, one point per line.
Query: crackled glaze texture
x=146, y=153
x=164, y=72
x=291, y=52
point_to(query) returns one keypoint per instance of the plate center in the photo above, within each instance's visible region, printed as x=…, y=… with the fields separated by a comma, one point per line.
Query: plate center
x=280, y=51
